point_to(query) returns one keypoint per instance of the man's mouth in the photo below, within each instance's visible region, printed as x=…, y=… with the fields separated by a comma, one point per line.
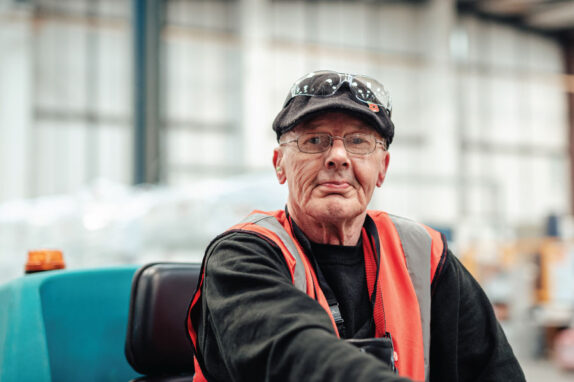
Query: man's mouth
x=335, y=186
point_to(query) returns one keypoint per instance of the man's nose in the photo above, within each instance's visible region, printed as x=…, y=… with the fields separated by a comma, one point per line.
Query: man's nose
x=337, y=155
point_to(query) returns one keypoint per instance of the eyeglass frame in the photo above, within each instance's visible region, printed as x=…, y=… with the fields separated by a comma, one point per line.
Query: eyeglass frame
x=332, y=139
x=345, y=78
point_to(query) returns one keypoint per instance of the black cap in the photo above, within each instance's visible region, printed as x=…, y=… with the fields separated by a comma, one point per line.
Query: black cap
x=302, y=107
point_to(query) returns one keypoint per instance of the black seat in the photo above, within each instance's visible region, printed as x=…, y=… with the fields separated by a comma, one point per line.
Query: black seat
x=157, y=343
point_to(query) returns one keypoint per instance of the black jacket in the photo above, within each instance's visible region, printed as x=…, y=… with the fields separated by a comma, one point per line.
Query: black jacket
x=254, y=325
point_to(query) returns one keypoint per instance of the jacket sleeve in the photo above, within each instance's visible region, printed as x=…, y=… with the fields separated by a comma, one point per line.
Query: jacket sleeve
x=256, y=326
x=467, y=342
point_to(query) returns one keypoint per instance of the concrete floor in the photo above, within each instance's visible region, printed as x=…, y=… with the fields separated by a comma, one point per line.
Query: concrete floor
x=544, y=371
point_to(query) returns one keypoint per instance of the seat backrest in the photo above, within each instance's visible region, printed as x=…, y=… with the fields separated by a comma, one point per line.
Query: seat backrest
x=157, y=342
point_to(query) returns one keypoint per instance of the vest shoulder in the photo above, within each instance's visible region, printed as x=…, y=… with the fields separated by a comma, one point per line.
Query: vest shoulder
x=257, y=215
x=404, y=222
x=407, y=222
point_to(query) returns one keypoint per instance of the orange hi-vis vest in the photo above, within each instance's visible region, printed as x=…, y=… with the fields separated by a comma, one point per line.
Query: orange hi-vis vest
x=406, y=254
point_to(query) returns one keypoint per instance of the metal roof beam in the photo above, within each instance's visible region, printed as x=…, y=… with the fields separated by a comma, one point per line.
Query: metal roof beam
x=508, y=8
x=554, y=16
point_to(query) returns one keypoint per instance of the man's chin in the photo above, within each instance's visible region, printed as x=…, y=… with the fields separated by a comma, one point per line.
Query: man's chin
x=337, y=209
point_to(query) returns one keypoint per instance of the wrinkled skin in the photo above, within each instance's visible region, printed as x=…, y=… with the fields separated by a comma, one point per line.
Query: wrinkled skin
x=329, y=192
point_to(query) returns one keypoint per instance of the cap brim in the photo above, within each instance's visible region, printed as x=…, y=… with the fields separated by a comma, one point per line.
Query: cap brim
x=301, y=108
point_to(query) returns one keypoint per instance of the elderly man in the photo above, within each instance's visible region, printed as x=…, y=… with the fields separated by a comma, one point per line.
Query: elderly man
x=327, y=290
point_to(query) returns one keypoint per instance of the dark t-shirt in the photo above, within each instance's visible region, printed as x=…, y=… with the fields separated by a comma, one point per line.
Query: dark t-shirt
x=343, y=268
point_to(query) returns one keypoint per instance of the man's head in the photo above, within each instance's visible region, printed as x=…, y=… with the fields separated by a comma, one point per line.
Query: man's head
x=333, y=157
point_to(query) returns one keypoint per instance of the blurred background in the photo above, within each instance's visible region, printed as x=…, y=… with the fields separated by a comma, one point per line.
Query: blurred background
x=135, y=131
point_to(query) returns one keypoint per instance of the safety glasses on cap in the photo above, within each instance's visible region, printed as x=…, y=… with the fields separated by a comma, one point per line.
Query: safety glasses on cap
x=325, y=83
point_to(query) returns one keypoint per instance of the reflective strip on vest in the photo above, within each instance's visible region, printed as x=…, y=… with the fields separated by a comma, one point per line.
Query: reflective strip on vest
x=273, y=225
x=417, y=243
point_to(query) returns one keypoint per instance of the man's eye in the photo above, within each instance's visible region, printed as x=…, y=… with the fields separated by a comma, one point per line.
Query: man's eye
x=356, y=140
x=314, y=140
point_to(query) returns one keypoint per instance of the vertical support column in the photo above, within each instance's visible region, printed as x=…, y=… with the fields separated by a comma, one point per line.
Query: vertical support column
x=147, y=18
x=568, y=47
x=15, y=104
x=255, y=122
x=439, y=90
x=92, y=80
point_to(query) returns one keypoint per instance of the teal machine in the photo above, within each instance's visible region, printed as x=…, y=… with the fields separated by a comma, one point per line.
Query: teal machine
x=66, y=325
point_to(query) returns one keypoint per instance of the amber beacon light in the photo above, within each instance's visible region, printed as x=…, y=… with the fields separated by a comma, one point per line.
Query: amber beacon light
x=44, y=260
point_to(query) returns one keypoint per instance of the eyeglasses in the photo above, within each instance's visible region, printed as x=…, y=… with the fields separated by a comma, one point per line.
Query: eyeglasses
x=325, y=83
x=356, y=143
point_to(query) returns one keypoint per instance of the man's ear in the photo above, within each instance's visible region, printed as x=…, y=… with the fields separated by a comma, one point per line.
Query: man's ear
x=384, y=166
x=279, y=170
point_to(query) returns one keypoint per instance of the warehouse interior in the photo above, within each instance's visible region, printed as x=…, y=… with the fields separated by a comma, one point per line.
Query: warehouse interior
x=136, y=131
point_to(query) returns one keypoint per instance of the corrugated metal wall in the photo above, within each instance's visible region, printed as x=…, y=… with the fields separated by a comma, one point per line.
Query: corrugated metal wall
x=479, y=106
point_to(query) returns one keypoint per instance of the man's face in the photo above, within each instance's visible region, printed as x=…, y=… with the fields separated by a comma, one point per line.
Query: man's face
x=332, y=186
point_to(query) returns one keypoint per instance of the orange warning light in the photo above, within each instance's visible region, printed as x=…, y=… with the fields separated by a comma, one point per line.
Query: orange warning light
x=44, y=260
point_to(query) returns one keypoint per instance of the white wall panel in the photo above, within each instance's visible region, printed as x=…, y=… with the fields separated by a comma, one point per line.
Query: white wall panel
x=16, y=94
x=227, y=66
x=115, y=158
x=113, y=77
x=59, y=161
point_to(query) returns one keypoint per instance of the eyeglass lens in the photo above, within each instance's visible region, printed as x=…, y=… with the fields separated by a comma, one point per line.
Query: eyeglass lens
x=354, y=143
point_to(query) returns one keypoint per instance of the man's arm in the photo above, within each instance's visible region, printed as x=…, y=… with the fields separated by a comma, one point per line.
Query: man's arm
x=257, y=326
x=467, y=342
